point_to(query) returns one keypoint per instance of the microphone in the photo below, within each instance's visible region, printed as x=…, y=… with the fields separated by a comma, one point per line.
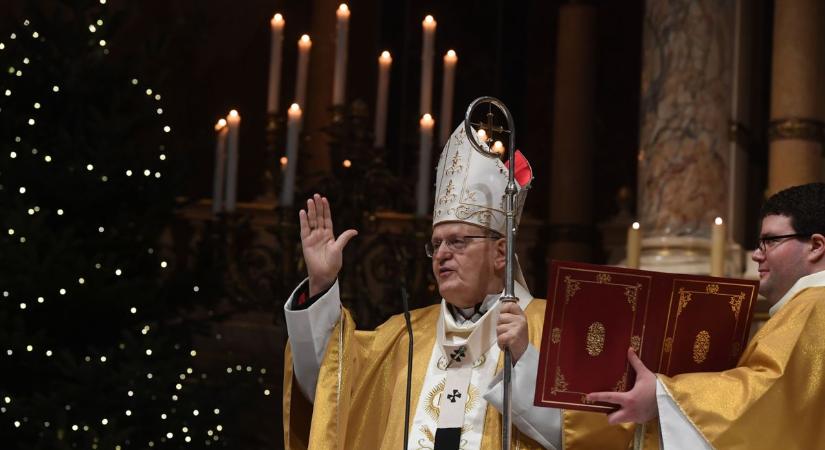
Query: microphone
x=404, y=296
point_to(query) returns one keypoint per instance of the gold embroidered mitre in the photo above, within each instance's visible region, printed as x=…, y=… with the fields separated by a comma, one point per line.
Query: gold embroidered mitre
x=470, y=185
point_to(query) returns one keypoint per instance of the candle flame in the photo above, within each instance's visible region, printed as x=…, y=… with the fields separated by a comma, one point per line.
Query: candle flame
x=221, y=123
x=635, y=225
x=427, y=120
x=347, y=163
x=385, y=55
x=718, y=221
x=284, y=160
x=233, y=114
x=343, y=8
x=429, y=19
x=305, y=38
x=482, y=135
x=277, y=19
x=498, y=147
x=451, y=54
x=294, y=107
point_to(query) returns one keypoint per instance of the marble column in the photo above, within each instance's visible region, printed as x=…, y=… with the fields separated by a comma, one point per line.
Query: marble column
x=684, y=149
x=571, y=229
x=796, y=129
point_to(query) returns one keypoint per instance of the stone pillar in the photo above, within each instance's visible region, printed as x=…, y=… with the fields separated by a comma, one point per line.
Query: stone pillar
x=684, y=144
x=796, y=128
x=571, y=191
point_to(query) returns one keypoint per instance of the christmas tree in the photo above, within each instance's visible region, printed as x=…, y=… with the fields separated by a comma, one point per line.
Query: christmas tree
x=97, y=321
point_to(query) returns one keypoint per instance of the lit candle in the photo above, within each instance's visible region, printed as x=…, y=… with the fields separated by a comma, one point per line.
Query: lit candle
x=427, y=55
x=304, y=45
x=275, y=52
x=381, y=99
x=220, y=166
x=293, y=132
x=498, y=147
x=450, y=60
x=422, y=199
x=634, y=246
x=340, y=79
x=234, y=122
x=717, y=248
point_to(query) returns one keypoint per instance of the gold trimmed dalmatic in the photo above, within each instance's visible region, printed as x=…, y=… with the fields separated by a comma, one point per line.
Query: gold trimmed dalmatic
x=775, y=398
x=360, y=395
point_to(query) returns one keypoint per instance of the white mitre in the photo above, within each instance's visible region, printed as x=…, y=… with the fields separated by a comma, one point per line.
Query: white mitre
x=470, y=185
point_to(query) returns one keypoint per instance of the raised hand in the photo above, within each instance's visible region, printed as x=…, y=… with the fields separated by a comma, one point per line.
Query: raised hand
x=322, y=252
x=638, y=404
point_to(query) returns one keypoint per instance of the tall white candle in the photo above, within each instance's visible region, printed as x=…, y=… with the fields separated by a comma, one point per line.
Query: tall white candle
x=450, y=60
x=427, y=55
x=304, y=45
x=382, y=98
x=293, y=133
x=340, y=79
x=220, y=166
x=234, y=124
x=717, y=248
x=275, y=53
x=634, y=246
x=422, y=197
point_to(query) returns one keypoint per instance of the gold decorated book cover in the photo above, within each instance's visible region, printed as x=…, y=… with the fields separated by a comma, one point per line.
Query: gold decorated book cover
x=676, y=323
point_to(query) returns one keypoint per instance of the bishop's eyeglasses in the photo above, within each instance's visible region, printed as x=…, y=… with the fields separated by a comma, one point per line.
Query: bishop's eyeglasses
x=455, y=244
x=768, y=241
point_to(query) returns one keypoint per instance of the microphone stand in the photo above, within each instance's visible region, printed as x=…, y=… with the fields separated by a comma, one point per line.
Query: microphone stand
x=405, y=301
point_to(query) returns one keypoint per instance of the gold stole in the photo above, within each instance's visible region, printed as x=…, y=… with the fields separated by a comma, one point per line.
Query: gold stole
x=775, y=397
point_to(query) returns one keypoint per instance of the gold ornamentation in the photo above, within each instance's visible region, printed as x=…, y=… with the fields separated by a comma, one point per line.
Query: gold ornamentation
x=586, y=401
x=442, y=362
x=573, y=286
x=602, y=278
x=432, y=405
x=464, y=212
x=712, y=288
x=684, y=298
x=555, y=335
x=701, y=347
x=455, y=164
x=560, y=384
x=469, y=196
x=595, y=339
x=636, y=343
x=449, y=194
x=621, y=385
x=736, y=304
x=668, y=345
x=632, y=292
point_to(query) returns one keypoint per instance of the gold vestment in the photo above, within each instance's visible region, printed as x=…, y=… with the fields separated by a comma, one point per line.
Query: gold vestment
x=775, y=397
x=359, y=399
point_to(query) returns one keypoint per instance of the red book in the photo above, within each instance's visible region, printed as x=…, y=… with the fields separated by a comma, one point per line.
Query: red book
x=676, y=323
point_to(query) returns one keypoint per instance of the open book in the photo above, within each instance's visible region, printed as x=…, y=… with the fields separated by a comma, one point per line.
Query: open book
x=676, y=323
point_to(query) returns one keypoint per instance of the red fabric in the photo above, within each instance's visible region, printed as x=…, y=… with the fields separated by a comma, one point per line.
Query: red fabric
x=524, y=173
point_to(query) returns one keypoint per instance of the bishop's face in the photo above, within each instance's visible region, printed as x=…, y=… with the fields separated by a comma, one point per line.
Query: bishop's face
x=472, y=269
x=782, y=261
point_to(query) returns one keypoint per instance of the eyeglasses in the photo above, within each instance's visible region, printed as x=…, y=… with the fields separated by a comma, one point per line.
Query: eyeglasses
x=766, y=242
x=455, y=244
